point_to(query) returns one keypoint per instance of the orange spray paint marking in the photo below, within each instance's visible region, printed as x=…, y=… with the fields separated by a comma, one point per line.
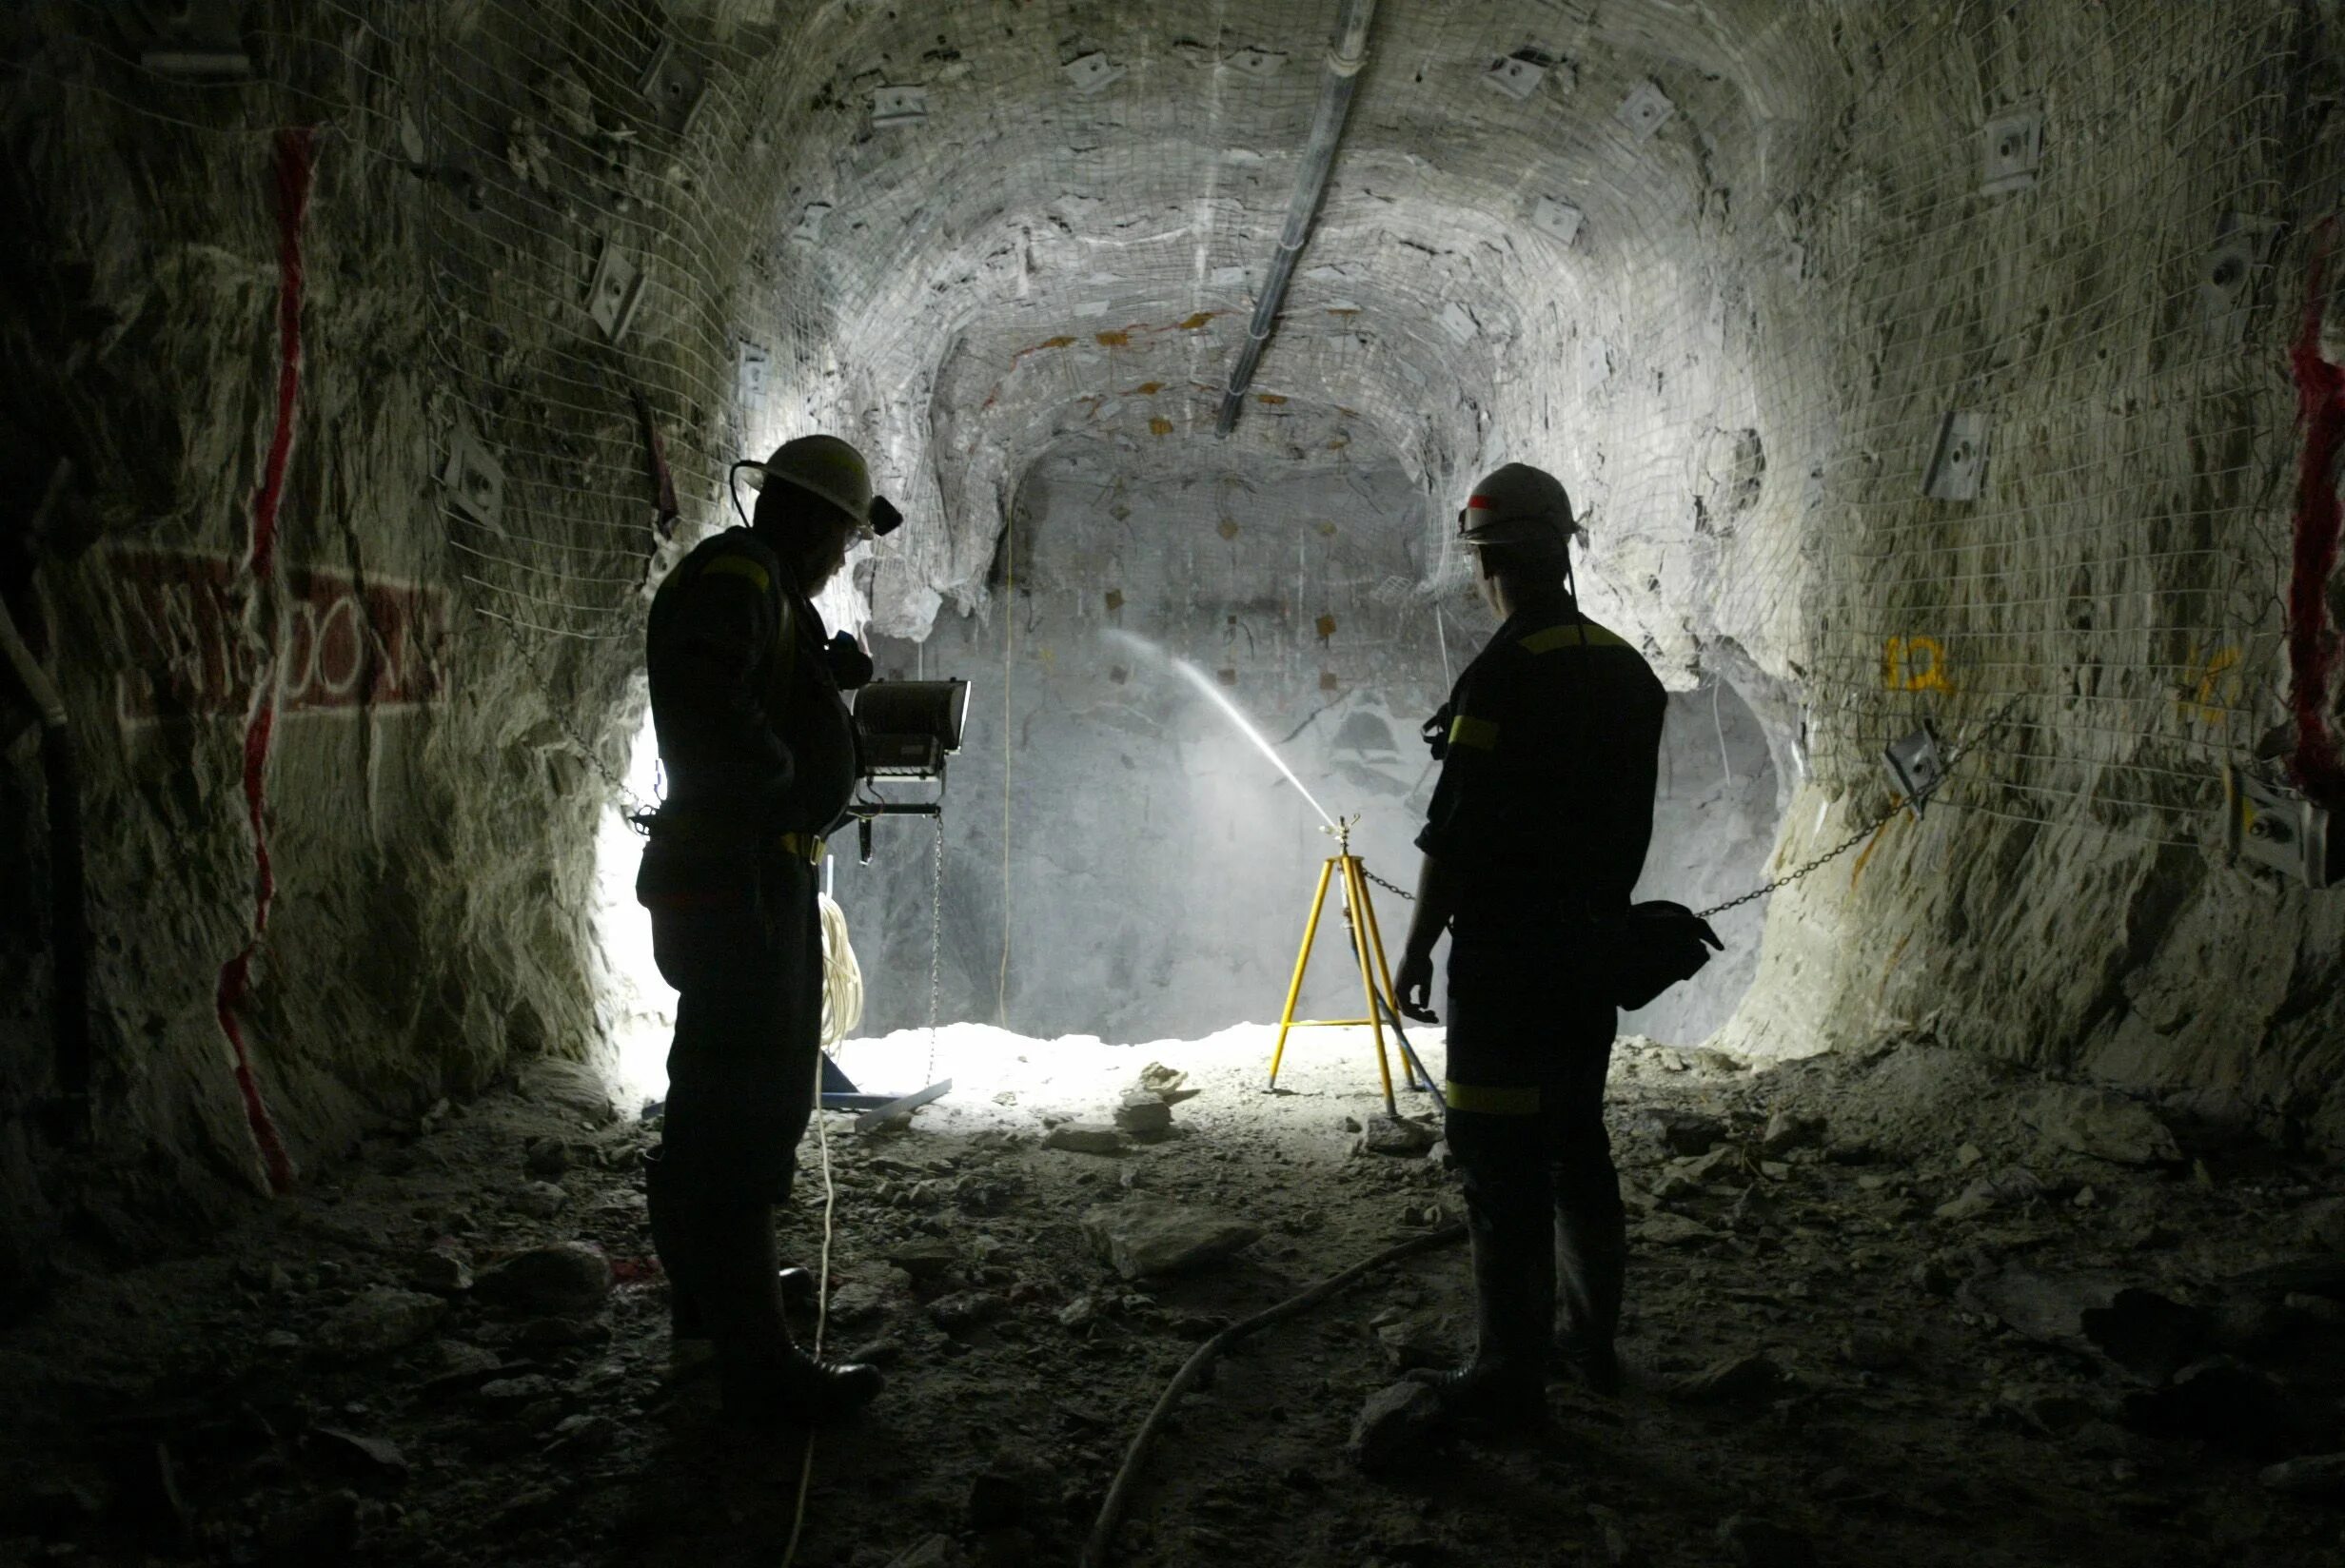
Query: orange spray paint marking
x=2202, y=701
x=1873, y=843
x=1113, y=339
x=1160, y=425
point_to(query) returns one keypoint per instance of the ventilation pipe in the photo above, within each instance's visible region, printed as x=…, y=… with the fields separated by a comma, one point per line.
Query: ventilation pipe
x=1347, y=54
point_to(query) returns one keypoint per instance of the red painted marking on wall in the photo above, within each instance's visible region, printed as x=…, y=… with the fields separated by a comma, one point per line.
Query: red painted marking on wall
x=295, y=149
x=2312, y=642
x=344, y=646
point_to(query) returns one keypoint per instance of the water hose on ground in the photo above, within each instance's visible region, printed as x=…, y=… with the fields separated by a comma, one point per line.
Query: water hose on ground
x=1097, y=1550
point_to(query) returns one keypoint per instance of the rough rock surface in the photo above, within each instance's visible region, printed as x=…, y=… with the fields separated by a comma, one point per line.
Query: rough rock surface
x=1142, y=1238
x=380, y=1320
x=1392, y=1428
x=565, y=1279
x=1906, y=1419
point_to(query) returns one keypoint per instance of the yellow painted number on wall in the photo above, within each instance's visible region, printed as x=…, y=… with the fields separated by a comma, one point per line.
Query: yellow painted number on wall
x=2214, y=685
x=1914, y=665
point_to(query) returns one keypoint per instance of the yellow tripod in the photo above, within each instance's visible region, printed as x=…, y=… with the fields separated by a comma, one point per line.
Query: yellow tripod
x=1366, y=945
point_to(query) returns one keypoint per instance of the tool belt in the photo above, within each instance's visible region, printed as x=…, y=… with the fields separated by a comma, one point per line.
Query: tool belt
x=714, y=834
x=711, y=862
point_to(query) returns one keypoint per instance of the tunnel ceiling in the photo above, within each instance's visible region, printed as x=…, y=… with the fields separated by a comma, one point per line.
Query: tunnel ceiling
x=1067, y=233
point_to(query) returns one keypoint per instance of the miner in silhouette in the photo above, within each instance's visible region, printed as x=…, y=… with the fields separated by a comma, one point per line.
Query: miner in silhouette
x=758, y=745
x=1538, y=827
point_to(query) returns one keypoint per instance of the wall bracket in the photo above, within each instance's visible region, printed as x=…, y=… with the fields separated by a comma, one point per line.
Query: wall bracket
x=474, y=479
x=2014, y=150
x=2272, y=826
x=1958, y=461
x=616, y=291
x=1916, y=764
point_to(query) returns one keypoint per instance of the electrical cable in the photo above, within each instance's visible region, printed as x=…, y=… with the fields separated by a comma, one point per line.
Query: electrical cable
x=1008, y=637
x=1097, y=1549
x=822, y=1312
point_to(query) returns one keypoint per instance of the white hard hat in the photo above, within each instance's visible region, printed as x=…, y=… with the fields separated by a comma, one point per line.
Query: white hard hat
x=831, y=470
x=1517, y=504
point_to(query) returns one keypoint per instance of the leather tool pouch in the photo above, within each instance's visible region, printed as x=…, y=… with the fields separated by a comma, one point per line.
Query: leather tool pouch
x=1647, y=948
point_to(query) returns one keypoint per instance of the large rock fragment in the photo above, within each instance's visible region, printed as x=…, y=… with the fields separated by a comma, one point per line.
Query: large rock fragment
x=2224, y=1402
x=568, y=1279
x=1166, y=1084
x=2312, y=1476
x=573, y=1086
x=1741, y=1380
x=1398, y=1136
x=1761, y=1543
x=1144, y=1116
x=1787, y=1130
x=380, y=1321
x=2011, y=1184
x=1146, y=1237
x=1392, y=1428
x=2099, y=1123
x=1087, y=1138
x=1685, y=1131
x=2141, y=1331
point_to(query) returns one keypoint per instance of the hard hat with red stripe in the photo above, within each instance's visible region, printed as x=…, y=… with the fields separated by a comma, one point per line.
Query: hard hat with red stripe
x=1517, y=504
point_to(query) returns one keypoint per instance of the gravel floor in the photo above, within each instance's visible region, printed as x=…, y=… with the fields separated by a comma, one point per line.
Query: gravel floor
x=1886, y=1308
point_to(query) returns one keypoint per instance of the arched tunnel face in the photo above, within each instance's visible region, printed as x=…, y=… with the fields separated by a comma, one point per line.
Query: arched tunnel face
x=1948, y=403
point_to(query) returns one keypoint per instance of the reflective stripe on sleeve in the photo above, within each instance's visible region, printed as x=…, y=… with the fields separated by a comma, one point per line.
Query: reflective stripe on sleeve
x=1581, y=634
x=1492, y=1101
x=1481, y=734
x=740, y=566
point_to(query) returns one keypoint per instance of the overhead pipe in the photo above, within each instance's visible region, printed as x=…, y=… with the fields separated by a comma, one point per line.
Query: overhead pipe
x=1347, y=54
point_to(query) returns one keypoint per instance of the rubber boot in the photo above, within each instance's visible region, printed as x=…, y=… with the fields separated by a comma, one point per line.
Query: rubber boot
x=1591, y=1258
x=798, y=1288
x=1514, y=1307
x=673, y=1238
x=767, y=1381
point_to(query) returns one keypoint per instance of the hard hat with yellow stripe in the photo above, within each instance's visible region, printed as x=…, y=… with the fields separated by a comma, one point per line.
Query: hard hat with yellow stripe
x=1517, y=504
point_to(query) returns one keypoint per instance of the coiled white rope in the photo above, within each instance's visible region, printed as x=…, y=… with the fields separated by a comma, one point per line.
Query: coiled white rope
x=843, y=978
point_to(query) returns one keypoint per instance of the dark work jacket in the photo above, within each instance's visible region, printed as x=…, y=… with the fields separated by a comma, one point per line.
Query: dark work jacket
x=754, y=733
x=1544, y=805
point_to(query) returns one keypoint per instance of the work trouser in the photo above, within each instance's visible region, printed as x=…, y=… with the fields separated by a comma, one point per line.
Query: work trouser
x=746, y=963
x=1528, y=1053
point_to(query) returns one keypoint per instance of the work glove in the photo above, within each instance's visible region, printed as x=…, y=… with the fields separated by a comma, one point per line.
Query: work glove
x=850, y=666
x=1436, y=732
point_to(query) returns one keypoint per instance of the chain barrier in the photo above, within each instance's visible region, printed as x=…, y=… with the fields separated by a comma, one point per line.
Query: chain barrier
x=1806, y=867
x=1896, y=805
x=935, y=947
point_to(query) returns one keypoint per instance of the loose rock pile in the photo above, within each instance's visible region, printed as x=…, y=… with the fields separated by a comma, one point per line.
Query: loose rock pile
x=1885, y=1307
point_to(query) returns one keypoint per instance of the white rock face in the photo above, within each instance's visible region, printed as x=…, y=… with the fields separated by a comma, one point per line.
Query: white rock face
x=1742, y=362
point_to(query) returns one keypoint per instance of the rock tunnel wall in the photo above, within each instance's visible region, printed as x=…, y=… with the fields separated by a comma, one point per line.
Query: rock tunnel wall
x=2098, y=610
x=1727, y=268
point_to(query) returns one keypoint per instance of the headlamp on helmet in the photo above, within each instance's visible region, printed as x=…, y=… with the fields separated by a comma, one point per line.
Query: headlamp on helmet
x=830, y=470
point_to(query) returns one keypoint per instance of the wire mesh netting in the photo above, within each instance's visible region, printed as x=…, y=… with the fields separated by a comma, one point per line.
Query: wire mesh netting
x=1934, y=358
